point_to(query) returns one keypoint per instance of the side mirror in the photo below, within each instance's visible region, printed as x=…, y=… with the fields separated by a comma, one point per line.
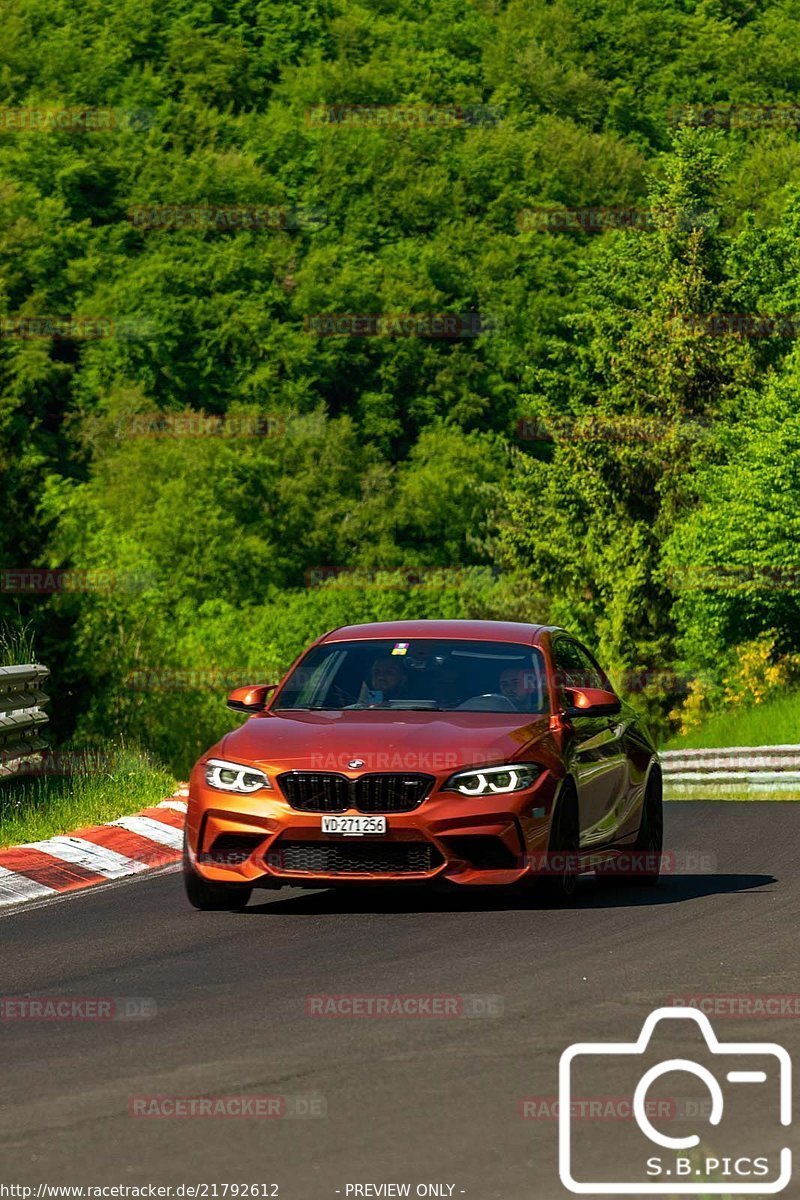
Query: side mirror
x=250, y=699
x=590, y=702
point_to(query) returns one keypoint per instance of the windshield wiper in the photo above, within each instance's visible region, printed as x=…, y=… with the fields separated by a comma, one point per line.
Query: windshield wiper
x=385, y=706
x=305, y=708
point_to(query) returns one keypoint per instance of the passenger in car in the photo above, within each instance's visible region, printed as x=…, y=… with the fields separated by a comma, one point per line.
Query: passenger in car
x=520, y=686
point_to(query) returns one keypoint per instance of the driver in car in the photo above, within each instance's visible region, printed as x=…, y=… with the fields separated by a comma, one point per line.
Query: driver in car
x=386, y=682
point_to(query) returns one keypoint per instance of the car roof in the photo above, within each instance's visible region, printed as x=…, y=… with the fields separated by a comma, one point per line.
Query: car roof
x=487, y=631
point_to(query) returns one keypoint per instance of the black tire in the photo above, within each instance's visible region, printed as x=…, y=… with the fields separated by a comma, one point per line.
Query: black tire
x=649, y=841
x=209, y=896
x=559, y=886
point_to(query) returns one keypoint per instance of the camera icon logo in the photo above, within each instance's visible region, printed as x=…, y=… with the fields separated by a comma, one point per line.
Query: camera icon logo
x=655, y=1162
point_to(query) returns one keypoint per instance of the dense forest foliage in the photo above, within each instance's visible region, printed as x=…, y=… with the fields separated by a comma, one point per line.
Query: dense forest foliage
x=592, y=446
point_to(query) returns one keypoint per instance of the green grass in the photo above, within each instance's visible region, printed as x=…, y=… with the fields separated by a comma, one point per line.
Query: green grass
x=42, y=806
x=16, y=644
x=773, y=723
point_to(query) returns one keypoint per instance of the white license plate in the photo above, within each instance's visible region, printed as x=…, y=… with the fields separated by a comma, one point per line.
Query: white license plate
x=353, y=826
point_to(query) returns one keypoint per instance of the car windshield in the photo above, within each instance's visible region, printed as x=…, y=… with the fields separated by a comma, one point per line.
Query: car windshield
x=422, y=674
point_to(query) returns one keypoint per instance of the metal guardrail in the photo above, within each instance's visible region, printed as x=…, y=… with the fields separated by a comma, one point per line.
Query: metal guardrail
x=22, y=715
x=727, y=769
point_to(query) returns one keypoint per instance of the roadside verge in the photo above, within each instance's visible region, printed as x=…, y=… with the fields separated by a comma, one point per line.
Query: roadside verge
x=144, y=841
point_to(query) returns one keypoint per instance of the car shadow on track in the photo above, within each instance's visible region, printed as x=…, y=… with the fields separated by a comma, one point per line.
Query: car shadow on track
x=673, y=889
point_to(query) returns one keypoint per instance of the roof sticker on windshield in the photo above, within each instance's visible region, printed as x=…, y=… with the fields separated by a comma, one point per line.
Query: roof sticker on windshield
x=400, y=648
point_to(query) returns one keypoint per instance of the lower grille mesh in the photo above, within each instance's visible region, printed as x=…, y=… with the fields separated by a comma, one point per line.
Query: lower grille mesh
x=373, y=858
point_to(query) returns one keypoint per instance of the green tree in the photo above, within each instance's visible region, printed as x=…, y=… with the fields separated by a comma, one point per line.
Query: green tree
x=630, y=393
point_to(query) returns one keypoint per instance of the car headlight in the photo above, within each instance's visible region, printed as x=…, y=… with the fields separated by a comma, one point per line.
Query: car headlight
x=234, y=777
x=494, y=781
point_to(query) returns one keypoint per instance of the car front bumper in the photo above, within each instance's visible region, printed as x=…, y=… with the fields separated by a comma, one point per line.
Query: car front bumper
x=262, y=841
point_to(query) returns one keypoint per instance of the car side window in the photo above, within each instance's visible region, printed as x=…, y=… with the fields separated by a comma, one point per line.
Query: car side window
x=575, y=667
x=597, y=670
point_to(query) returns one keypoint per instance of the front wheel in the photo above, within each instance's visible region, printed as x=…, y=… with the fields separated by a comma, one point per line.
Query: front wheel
x=645, y=868
x=559, y=884
x=210, y=896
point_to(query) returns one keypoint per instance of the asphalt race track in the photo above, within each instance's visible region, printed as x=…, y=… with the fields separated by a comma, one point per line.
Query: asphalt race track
x=413, y=1100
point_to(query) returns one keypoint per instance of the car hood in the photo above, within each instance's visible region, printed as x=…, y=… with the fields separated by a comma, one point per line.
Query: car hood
x=404, y=741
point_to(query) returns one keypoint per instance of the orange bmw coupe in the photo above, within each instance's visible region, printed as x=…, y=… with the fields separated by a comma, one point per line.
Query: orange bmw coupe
x=460, y=753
